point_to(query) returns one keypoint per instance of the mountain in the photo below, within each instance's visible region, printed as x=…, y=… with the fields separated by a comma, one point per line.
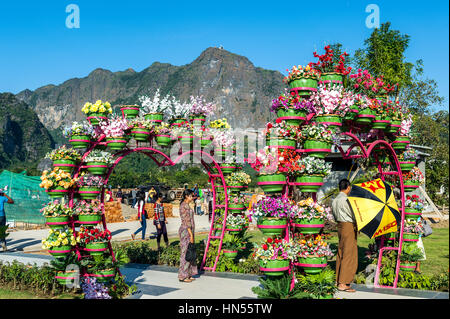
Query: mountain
x=23, y=138
x=241, y=90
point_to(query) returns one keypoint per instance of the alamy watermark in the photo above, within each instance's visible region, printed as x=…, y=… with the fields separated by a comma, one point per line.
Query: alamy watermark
x=73, y=19
x=373, y=19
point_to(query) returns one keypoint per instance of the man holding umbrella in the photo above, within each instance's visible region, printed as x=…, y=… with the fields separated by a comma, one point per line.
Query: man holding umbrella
x=347, y=255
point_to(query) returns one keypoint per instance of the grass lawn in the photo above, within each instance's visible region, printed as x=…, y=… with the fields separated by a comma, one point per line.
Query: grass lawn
x=23, y=294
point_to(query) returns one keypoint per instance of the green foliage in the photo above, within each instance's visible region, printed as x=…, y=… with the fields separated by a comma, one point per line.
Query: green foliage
x=120, y=289
x=321, y=285
x=231, y=242
x=411, y=253
x=279, y=288
x=60, y=264
x=3, y=233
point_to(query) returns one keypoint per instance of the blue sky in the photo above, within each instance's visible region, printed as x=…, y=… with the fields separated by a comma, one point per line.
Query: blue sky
x=37, y=48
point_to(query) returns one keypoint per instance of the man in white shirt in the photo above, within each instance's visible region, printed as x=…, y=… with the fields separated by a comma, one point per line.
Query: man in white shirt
x=347, y=255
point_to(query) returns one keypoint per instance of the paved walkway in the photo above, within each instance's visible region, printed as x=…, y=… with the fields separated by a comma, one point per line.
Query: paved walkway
x=155, y=281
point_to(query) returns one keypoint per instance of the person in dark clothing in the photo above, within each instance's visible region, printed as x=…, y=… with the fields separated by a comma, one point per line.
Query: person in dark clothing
x=160, y=221
x=4, y=199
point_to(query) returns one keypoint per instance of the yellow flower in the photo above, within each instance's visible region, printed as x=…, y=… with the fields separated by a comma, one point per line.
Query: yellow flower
x=102, y=109
x=94, y=108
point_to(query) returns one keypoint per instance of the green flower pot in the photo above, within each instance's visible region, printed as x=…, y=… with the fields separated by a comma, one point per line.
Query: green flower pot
x=87, y=192
x=393, y=127
x=407, y=166
x=89, y=219
x=104, y=275
x=352, y=113
x=317, y=149
x=186, y=139
x=272, y=226
x=65, y=165
x=178, y=121
x=410, y=237
x=57, y=221
x=96, y=249
x=312, y=265
x=410, y=186
x=292, y=117
x=381, y=122
x=412, y=214
x=271, y=183
x=80, y=141
x=116, y=143
x=130, y=111
x=332, y=78
x=197, y=120
x=156, y=118
x=95, y=118
x=66, y=277
x=231, y=254
x=227, y=168
x=282, y=143
x=308, y=85
x=332, y=121
x=205, y=142
x=365, y=116
x=407, y=266
x=400, y=143
x=97, y=168
x=309, y=183
x=309, y=226
x=61, y=251
x=274, y=267
x=57, y=192
x=140, y=134
x=236, y=207
x=163, y=140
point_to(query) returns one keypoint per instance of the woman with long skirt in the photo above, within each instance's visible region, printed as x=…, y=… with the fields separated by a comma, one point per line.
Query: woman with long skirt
x=186, y=232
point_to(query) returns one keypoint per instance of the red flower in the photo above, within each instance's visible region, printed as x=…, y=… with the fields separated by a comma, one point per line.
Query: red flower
x=269, y=240
x=264, y=247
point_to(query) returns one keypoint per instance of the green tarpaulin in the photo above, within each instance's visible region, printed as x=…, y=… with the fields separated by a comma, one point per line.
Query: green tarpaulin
x=27, y=195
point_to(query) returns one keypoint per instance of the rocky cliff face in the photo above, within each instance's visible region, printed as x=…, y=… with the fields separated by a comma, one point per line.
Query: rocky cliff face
x=23, y=138
x=241, y=90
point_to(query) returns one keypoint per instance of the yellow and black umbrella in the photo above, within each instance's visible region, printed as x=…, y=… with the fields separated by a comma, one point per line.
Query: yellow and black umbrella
x=376, y=211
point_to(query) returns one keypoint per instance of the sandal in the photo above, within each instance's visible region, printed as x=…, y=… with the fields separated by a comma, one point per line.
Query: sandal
x=133, y=236
x=184, y=280
x=349, y=289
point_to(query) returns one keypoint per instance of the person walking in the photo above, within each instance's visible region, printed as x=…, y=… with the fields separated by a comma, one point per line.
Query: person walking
x=133, y=197
x=4, y=199
x=186, y=233
x=119, y=195
x=347, y=254
x=160, y=221
x=142, y=215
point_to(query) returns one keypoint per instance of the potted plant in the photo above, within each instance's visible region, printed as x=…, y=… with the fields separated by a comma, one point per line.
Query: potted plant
x=302, y=80
x=183, y=133
x=57, y=182
x=230, y=165
x=402, y=140
x=237, y=203
x=396, y=115
x=218, y=223
x=274, y=256
x=141, y=129
x=97, y=111
x=163, y=134
x=59, y=242
x=281, y=136
x=331, y=67
x=155, y=107
x=97, y=162
x=412, y=179
x=316, y=140
x=230, y=245
x=267, y=163
x=332, y=102
x=129, y=111
x=94, y=240
x=237, y=181
x=64, y=158
x=66, y=268
x=200, y=109
x=292, y=108
x=115, y=130
x=312, y=254
x=79, y=134
x=56, y=214
x=308, y=216
x=178, y=112
x=90, y=186
x=310, y=173
x=203, y=134
x=407, y=159
x=411, y=254
x=413, y=207
x=235, y=223
x=223, y=139
x=89, y=213
x=382, y=117
x=412, y=230
x=318, y=286
x=271, y=215
x=104, y=267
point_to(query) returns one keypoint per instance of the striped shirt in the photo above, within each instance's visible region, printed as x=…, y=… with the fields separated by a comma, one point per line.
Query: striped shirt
x=159, y=213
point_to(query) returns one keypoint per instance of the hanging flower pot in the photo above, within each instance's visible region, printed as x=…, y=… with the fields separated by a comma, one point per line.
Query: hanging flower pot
x=309, y=226
x=57, y=192
x=275, y=267
x=411, y=237
x=380, y=122
x=66, y=277
x=282, y=143
x=95, y=118
x=365, y=116
x=312, y=265
x=400, y=143
x=156, y=118
x=57, y=221
x=178, y=121
x=205, y=141
x=80, y=141
x=351, y=113
x=230, y=253
x=163, y=140
x=332, y=121
x=331, y=78
x=292, y=117
x=96, y=168
x=140, y=134
x=197, y=120
x=412, y=214
x=103, y=275
x=61, y=251
x=186, y=139
x=228, y=168
x=303, y=86
x=407, y=166
x=393, y=127
x=88, y=192
x=407, y=266
x=116, y=143
x=316, y=149
x=270, y=226
x=308, y=183
x=271, y=183
x=236, y=207
x=89, y=219
x=234, y=231
x=96, y=248
x=130, y=111
x=410, y=186
x=65, y=165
